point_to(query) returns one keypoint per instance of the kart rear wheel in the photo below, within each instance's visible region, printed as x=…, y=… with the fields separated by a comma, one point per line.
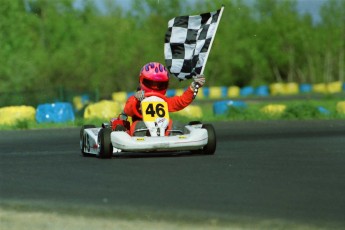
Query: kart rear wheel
x=104, y=143
x=210, y=147
x=82, y=138
x=194, y=123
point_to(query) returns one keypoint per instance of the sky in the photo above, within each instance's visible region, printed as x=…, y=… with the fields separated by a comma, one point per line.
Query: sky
x=304, y=6
x=311, y=7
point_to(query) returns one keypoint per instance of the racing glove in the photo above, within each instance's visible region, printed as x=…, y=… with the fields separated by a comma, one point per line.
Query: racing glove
x=140, y=95
x=199, y=81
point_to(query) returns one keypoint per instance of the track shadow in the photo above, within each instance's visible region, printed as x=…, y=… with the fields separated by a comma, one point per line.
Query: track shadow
x=131, y=155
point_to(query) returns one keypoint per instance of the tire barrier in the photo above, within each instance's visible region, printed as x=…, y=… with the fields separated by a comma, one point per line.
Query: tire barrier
x=233, y=91
x=119, y=96
x=290, y=88
x=328, y=88
x=79, y=102
x=59, y=112
x=223, y=107
x=334, y=87
x=130, y=94
x=204, y=93
x=305, y=88
x=104, y=109
x=191, y=111
x=341, y=107
x=278, y=88
x=62, y=112
x=10, y=115
x=273, y=109
x=171, y=92
x=246, y=91
x=262, y=90
x=323, y=110
x=216, y=92
x=320, y=88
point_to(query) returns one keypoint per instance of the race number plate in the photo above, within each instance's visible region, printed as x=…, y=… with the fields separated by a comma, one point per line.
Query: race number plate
x=152, y=110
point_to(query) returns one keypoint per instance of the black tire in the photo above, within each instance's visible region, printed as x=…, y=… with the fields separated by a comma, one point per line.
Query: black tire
x=194, y=123
x=104, y=142
x=82, y=138
x=120, y=128
x=210, y=147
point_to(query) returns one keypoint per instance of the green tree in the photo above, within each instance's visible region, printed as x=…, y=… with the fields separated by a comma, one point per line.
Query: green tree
x=48, y=45
x=332, y=31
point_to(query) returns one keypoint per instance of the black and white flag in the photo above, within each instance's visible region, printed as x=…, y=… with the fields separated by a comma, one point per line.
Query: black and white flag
x=188, y=42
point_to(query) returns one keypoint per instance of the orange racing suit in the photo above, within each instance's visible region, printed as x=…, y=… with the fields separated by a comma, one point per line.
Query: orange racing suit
x=175, y=104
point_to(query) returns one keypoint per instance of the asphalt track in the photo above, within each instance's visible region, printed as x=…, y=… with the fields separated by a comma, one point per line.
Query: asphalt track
x=293, y=171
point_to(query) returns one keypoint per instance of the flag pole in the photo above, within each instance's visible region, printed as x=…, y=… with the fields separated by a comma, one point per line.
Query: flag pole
x=208, y=51
x=215, y=31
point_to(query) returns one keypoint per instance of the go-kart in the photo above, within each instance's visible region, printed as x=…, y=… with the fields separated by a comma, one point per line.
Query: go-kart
x=157, y=134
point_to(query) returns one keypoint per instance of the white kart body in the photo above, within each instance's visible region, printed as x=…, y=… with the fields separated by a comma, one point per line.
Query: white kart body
x=194, y=137
x=91, y=141
x=123, y=142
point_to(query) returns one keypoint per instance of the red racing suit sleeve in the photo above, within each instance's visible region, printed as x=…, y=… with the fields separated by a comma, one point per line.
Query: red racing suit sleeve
x=175, y=103
x=131, y=105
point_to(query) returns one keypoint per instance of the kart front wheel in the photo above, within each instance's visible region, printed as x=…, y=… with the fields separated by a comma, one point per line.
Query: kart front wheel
x=105, y=147
x=210, y=147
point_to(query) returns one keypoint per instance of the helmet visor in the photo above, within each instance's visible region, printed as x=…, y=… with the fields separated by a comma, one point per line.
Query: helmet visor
x=156, y=85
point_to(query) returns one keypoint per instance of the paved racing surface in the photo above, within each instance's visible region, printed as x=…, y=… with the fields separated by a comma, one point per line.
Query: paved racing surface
x=292, y=171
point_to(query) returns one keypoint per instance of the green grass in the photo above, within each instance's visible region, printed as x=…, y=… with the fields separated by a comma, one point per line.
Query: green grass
x=295, y=110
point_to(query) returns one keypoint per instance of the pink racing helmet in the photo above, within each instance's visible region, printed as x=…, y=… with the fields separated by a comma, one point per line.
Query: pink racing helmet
x=154, y=77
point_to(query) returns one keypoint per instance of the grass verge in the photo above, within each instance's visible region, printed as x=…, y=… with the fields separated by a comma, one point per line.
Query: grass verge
x=31, y=215
x=307, y=109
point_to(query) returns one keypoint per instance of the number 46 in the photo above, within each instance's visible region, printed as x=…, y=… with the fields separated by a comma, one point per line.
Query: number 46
x=159, y=110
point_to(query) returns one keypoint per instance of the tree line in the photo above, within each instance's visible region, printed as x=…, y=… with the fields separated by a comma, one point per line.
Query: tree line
x=48, y=44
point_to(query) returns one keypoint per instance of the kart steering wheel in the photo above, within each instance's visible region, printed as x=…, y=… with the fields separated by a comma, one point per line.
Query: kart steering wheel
x=148, y=94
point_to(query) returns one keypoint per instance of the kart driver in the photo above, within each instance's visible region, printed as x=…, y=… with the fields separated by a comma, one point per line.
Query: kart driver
x=154, y=77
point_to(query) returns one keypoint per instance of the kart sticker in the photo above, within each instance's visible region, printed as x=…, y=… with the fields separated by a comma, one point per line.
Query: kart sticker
x=153, y=110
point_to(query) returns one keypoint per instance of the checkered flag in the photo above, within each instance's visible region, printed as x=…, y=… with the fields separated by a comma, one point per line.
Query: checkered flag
x=188, y=42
